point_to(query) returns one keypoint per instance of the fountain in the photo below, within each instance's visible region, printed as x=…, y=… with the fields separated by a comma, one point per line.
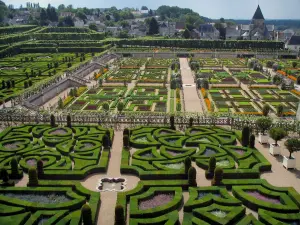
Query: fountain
x=111, y=184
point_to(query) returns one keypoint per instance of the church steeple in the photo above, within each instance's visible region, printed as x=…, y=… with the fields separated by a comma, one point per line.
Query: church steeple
x=258, y=14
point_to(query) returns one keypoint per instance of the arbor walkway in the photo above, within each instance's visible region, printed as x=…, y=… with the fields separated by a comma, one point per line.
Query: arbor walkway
x=191, y=98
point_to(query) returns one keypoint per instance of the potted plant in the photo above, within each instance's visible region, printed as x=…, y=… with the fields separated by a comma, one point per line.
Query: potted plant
x=293, y=145
x=263, y=124
x=276, y=134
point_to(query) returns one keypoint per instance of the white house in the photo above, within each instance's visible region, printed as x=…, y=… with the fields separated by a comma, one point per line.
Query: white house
x=294, y=43
x=78, y=22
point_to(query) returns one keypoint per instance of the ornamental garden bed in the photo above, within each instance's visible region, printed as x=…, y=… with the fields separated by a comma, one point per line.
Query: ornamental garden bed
x=67, y=153
x=132, y=63
x=121, y=75
x=153, y=76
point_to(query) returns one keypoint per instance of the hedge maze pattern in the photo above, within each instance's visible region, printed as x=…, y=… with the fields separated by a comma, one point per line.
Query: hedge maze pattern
x=51, y=203
x=67, y=153
x=157, y=156
x=159, y=153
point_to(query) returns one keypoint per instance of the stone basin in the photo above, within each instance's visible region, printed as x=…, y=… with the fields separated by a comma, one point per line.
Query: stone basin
x=112, y=184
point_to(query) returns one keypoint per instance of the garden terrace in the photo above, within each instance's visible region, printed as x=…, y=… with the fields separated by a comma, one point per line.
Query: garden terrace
x=51, y=202
x=122, y=75
x=24, y=70
x=233, y=100
x=274, y=97
x=159, y=153
x=93, y=99
x=209, y=63
x=147, y=99
x=222, y=77
x=153, y=76
x=67, y=153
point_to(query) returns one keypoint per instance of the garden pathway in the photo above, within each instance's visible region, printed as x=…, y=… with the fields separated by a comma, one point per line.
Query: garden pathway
x=191, y=99
x=108, y=199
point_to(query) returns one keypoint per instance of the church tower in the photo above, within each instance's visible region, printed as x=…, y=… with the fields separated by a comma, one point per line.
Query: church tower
x=258, y=19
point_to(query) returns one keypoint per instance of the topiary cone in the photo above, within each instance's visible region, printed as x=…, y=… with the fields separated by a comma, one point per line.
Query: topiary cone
x=192, y=177
x=218, y=176
x=33, y=178
x=14, y=168
x=86, y=213
x=40, y=168
x=119, y=215
x=187, y=164
x=211, y=168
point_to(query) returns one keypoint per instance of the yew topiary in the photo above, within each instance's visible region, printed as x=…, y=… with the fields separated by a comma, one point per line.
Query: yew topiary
x=211, y=168
x=252, y=141
x=187, y=164
x=40, y=168
x=245, y=136
x=86, y=213
x=192, y=177
x=218, y=176
x=119, y=215
x=14, y=168
x=126, y=141
x=33, y=177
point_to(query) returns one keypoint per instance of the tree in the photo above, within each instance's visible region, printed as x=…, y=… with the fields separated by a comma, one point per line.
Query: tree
x=119, y=215
x=52, y=120
x=211, y=167
x=294, y=64
x=218, y=176
x=252, y=141
x=14, y=168
x=33, y=178
x=280, y=110
x=277, y=134
x=153, y=27
x=43, y=17
x=3, y=11
x=187, y=164
x=292, y=145
x=264, y=124
x=68, y=21
x=266, y=109
x=93, y=26
x=105, y=106
x=69, y=121
x=86, y=213
x=186, y=34
x=120, y=106
x=60, y=103
x=245, y=136
x=61, y=7
x=192, y=174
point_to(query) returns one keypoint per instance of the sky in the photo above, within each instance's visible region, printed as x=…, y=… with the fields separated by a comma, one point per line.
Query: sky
x=215, y=9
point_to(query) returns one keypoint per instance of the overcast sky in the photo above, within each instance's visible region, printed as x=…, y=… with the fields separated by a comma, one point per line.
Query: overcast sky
x=235, y=9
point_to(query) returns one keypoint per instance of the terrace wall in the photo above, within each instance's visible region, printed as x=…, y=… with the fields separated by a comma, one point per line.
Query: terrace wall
x=50, y=92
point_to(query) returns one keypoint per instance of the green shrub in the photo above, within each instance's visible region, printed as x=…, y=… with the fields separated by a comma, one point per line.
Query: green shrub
x=33, y=178
x=264, y=124
x=40, y=168
x=280, y=110
x=192, y=174
x=293, y=145
x=266, y=109
x=218, y=176
x=277, y=134
x=14, y=168
x=4, y=175
x=69, y=123
x=191, y=120
x=86, y=212
x=252, y=141
x=126, y=141
x=211, y=168
x=119, y=215
x=52, y=120
x=105, y=141
x=126, y=132
x=245, y=136
x=172, y=122
x=187, y=164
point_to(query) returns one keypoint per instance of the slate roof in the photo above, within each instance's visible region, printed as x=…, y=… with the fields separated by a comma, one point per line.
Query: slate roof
x=258, y=14
x=295, y=40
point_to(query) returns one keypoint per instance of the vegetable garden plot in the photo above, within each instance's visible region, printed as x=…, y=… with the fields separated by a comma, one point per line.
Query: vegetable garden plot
x=153, y=76
x=146, y=99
